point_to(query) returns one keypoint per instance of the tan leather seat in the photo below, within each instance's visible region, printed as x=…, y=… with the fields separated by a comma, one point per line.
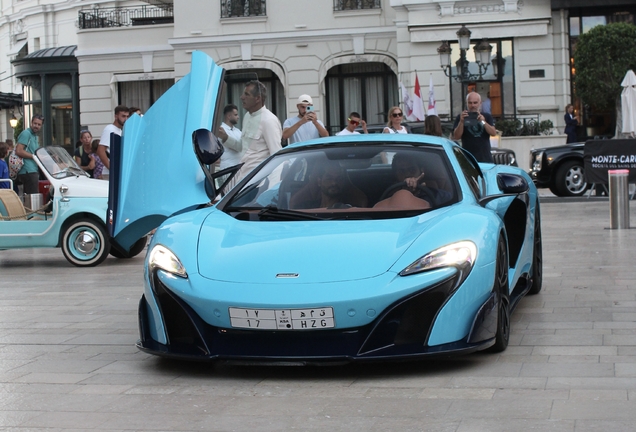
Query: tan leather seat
x=13, y=207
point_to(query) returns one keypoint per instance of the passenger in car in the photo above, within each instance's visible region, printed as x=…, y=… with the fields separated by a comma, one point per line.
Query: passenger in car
x=329, y=187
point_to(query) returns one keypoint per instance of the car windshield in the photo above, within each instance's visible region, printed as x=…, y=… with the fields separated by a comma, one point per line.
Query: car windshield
x=347, y=182
x=58, y=162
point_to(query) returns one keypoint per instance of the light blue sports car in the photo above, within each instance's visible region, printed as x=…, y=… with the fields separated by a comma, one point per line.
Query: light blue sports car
x=352, y=248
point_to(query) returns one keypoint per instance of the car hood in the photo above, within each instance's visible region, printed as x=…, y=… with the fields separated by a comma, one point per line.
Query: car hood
x=303, y=251
x=156, y=170
x=80, y=187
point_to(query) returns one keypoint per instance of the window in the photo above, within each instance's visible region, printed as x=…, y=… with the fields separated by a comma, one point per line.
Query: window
x=61, y=120
x=236, y=80
x=142, y=94
x=367, y=88
x=339, y=5
x=499, y=88
x=242, y=8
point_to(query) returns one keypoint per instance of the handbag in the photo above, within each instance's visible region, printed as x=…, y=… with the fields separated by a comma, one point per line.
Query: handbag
x=15, y=165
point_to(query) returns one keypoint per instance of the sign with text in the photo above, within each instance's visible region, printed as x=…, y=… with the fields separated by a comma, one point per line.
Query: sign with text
x=600, y=156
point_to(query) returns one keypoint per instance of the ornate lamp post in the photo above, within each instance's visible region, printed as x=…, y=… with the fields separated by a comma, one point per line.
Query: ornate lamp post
x=482, y=57
x=13, y=121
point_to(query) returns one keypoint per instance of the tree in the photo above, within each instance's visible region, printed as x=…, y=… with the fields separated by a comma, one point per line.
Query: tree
x=602, y=58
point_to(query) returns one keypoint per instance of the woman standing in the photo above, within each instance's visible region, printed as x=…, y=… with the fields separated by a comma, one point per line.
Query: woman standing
x=82, y=153
x=394, y=125
x=571, y=122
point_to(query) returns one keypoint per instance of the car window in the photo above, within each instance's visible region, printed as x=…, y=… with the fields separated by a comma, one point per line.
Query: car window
x=365, y=181
x=471, y=171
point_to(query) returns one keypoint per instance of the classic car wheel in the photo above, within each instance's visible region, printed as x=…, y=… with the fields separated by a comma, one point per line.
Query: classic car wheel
x=135, y=249
x=537, y=257
x=85, y=243
x=569, y=179
x=503, y=310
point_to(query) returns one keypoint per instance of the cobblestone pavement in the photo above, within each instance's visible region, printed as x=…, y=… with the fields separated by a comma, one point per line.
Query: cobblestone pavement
x=68, y=360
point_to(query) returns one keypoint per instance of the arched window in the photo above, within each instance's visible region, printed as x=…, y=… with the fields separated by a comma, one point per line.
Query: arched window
x=368, y=88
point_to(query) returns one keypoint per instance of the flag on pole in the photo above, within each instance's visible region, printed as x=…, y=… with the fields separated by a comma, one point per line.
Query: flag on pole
x=408, y=103
x=432, y=110
x=418, y=105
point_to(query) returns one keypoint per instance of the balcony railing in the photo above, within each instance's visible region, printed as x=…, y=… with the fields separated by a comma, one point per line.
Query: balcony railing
x=344, y=5
x=242, y=8
x=125, y=16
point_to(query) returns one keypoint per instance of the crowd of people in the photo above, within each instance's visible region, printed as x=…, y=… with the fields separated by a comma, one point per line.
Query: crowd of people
x=260, y=136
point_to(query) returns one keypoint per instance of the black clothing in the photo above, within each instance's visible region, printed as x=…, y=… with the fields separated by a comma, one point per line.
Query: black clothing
x=475, y=139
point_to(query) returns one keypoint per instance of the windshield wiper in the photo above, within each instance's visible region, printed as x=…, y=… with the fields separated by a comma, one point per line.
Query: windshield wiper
x=273, y=212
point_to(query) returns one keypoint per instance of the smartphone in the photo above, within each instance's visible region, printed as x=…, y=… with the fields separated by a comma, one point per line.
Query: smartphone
x=310, y=108
x=473, y=115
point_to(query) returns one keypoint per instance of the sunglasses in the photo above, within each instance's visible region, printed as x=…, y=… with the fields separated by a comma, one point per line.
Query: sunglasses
x=396, y=115
x=354, y=122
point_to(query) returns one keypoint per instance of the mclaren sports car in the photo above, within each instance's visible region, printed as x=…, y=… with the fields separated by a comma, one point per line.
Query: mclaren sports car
x=348, y=248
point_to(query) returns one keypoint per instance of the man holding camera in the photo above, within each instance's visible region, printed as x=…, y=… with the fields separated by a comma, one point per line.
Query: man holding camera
x=474, y=128
x=305, y=125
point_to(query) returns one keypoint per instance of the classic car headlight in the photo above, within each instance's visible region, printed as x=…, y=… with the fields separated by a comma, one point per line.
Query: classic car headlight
x=161, y=257
x=461, y=255
x=535, y=162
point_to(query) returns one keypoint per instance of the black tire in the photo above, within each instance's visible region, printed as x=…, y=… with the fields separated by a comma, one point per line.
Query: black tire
x=135, y=249
x=503, y=305
x=569, y=179
x=85, y=242
x=537, y=256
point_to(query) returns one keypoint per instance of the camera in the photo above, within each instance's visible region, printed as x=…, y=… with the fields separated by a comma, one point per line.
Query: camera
x=473, y=115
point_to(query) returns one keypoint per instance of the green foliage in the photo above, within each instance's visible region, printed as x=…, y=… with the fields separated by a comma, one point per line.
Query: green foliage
x=525, y=127
x=18, y=130
x=545, y=127
x=602, y=58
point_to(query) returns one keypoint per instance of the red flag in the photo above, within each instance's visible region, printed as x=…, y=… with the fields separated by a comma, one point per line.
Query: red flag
x=418, y=105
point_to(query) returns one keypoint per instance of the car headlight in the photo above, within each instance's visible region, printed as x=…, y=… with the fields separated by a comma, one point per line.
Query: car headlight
x=163, y=258
x=460, y=255
x=536, y=161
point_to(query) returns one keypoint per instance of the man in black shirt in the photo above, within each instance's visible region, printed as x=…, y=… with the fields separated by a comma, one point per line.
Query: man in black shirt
x=475, y=128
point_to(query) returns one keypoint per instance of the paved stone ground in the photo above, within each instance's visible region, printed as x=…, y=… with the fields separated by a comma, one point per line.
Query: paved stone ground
x=68, y=361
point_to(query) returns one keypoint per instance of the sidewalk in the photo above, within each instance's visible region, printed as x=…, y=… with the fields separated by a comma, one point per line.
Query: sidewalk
x=68, y=361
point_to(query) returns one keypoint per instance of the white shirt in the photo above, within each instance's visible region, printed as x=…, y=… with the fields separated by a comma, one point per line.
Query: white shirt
x=346, y=131
x=261, y=138
x=105, y=140
x=399, y=131
x=232, y=156
x=305, y=132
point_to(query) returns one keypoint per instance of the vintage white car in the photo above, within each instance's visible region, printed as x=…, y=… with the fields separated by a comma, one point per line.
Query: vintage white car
x=74, y=218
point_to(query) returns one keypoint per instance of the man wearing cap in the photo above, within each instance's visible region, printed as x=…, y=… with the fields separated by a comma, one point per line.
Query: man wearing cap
x=305, y=125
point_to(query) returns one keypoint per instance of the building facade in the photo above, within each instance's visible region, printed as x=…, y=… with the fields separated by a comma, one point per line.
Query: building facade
x=349, y=55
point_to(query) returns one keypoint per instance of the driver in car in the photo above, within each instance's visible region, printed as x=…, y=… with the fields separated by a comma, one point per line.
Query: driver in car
x=413, y=193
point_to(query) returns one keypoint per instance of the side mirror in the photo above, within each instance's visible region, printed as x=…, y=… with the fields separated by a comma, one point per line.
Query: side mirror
x=512, y=183
x=207, y=146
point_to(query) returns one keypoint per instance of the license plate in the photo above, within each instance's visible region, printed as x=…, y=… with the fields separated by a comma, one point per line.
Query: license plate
x=282, y=319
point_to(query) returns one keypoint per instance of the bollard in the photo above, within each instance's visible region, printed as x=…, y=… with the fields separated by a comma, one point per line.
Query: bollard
x=619, y=198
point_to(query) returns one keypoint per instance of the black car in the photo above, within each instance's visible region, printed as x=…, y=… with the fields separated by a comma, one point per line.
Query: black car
x=560, y=169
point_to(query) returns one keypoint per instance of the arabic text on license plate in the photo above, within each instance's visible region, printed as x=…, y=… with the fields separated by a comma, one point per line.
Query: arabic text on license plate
x=282, y=319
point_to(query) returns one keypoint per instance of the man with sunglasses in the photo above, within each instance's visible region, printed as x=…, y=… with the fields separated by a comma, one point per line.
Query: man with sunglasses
x=353, y=122
x=305, y=125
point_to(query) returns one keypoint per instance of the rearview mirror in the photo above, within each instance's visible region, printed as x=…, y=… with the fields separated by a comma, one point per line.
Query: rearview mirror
x=512, y=183
x=207, y=146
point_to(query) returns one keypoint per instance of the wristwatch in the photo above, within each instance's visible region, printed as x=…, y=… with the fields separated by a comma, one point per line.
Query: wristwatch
x=483, y=122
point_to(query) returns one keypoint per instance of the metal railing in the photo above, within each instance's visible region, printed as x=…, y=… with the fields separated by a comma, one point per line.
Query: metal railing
x=242, y=8
x=521, y=125
x=125, y=16
x=342, y=5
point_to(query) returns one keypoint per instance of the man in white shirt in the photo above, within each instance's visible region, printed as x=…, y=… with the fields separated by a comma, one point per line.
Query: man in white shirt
x=305, y=125
x=103, y=150
x=261, y=134
x=230, y=135
x=353, y=122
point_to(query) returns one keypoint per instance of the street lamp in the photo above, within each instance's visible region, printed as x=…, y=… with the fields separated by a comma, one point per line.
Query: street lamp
x=482, y=57
x=13, y=121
